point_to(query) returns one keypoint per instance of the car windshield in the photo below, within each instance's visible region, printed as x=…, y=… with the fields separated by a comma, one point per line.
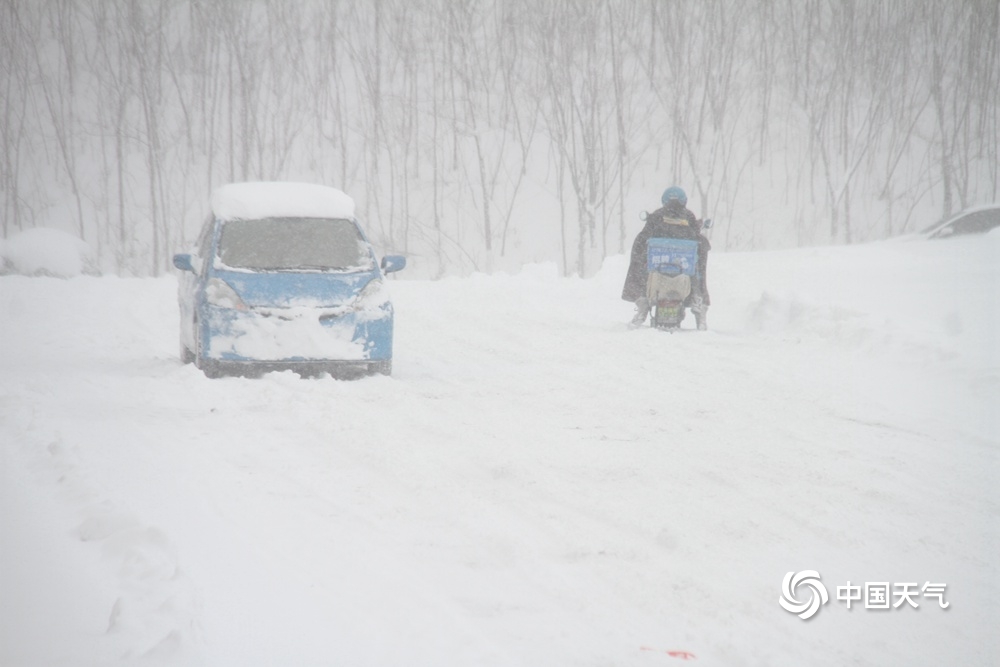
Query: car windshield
x=275, y=244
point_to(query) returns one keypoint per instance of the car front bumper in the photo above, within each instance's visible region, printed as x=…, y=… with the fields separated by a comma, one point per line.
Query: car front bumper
x=295, y=337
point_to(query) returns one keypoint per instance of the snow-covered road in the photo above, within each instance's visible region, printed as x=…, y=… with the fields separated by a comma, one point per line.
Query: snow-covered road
x=536, y=484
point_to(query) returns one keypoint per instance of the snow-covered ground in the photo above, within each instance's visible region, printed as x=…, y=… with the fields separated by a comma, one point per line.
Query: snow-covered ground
x=536, y=484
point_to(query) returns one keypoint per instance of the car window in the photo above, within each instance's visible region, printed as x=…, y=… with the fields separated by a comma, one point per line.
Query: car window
x=977, y=222
x=275, y=244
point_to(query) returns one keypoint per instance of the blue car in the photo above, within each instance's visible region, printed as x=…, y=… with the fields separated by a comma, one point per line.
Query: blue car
x=283, y=277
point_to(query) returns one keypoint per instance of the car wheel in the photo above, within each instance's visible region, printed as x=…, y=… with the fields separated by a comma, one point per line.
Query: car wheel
x=187, y=356
x=383, y=367
x=206, y=366
x=209, y=368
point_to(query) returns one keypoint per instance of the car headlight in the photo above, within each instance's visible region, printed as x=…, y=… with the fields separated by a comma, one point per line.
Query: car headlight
x=372, y=296
x=219, y=293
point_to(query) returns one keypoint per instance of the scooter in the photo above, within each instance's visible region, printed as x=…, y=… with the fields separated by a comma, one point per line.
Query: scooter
x=672, y=266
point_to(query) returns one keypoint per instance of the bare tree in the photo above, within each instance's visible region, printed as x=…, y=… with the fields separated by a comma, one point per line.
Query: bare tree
x=14, y=70
x=56, y=80
x=435, y=114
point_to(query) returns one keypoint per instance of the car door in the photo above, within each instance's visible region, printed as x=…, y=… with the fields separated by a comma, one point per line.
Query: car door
x=189, y=284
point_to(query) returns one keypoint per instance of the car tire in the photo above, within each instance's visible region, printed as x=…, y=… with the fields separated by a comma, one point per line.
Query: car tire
x=383, y=367
x=210, y=369
x=206, y=366
x=187, y=356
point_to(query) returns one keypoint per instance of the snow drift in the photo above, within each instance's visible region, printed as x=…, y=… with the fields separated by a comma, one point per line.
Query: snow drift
x=42, y=251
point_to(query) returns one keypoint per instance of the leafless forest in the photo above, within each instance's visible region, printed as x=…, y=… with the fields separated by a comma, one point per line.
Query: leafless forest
x=476, y=135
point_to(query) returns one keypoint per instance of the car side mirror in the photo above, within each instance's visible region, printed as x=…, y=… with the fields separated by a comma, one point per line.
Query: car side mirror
x=393, y=263
x=707, y=224
x=183, y=262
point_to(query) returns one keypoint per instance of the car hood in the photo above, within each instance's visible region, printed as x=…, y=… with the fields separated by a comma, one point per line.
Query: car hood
x=287, y=289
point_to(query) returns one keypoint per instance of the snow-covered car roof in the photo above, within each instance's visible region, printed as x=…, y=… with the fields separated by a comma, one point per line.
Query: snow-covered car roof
x=273, y=199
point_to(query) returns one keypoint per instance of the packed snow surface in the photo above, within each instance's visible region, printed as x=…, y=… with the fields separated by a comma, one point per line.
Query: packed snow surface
x=257, y=200
x=537, y=484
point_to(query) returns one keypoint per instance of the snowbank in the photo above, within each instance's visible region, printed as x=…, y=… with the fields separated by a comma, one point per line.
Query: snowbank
x=46, y=252
x=930, y=298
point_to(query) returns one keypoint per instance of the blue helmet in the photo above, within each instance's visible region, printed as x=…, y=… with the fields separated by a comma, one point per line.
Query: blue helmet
x=674, y=193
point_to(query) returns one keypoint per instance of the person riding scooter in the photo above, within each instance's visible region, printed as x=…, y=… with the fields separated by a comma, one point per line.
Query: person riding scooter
x=672, y=220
